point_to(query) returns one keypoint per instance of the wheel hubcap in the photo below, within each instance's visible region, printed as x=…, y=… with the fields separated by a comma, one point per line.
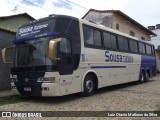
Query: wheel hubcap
x=147, y=76
x=89, y=85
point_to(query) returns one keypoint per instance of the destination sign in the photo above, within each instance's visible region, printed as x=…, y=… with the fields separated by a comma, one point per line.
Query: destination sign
x=37, y=29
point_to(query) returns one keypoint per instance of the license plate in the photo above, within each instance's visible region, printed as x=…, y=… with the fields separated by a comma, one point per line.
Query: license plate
x=27, y=89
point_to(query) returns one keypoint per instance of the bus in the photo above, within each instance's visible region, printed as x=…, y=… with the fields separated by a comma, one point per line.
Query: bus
x=60, y=55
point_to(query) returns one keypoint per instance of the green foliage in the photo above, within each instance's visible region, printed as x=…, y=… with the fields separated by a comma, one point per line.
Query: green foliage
x=10, y=100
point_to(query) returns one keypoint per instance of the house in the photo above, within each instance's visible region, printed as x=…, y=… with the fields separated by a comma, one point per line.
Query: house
x=8, y=28
x=117, y=20
x=156, y=41
x=158, y=58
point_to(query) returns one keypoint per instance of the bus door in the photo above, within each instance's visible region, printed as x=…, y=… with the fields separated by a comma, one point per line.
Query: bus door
x=66, y=58
x=65, y=66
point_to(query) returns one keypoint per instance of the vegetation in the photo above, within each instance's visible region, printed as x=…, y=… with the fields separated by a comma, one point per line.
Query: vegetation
x=10, y=100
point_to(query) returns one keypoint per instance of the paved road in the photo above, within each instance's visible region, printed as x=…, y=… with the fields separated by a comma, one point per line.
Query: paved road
x=126, y=97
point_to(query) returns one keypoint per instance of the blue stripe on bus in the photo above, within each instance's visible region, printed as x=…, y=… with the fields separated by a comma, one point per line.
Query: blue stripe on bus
x=97, y=67
x=148, y=62
x=33, y=37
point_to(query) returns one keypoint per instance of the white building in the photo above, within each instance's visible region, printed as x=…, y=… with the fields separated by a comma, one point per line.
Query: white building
x=156, y=42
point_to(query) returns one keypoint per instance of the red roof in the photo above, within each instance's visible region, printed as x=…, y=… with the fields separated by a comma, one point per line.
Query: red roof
x=123, y=15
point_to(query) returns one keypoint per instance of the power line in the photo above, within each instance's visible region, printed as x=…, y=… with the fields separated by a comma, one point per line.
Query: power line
x=46, y=9
x=76, y=11
x=72, y=3
x=35, y=5
x=77, y=4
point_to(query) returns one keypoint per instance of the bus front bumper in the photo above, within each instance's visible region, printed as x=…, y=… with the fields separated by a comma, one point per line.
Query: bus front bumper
x=36, y=89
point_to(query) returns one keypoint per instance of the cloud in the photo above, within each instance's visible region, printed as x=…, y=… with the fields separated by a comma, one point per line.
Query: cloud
x=39, y=3
x=62, y=4
x=145, y=12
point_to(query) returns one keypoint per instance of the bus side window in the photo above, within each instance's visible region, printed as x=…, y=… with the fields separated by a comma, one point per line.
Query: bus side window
x=148, y=49
x=125, y=41
x=88, y=35
x=113, y=42
x=153, y=50
x=97, y=38
x=141, y=48
x=120, y=43
x=133, y=46
x=107, y=40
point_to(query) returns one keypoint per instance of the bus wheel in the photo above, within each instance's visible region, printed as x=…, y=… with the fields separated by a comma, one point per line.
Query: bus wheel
x=146, y=77
x=142, y=78
x=89, y=85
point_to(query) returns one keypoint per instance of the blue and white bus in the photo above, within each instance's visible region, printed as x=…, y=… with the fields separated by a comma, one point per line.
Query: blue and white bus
x=60, y=55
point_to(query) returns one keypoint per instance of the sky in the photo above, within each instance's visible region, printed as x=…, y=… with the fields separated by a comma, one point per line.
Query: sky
x=146, y=12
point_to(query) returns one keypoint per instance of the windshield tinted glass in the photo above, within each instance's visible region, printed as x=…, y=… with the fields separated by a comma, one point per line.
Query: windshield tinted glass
x=32, y=53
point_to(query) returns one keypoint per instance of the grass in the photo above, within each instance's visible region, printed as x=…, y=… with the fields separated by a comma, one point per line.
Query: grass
x=10, y=100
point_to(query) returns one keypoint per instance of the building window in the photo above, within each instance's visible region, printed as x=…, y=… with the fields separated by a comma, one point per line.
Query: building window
x=117, y=26
x=132, y=33
x=142, y=38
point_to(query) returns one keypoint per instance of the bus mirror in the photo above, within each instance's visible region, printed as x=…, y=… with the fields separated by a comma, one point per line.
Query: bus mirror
x=52, y=49
x=3, y=52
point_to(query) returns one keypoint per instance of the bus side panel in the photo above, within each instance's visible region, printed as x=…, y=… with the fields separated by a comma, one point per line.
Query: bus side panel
x=134, y=68
x=110, y=70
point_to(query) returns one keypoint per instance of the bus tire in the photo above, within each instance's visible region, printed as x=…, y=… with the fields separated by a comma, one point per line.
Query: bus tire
x=89, y=85
x=146, y=77
x=142, y=77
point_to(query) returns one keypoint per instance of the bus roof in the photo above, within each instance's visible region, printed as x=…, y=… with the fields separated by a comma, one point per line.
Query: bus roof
x=50, y=17
x=99, y=26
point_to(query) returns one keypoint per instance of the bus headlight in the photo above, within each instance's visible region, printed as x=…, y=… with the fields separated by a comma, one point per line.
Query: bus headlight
x=46, y=79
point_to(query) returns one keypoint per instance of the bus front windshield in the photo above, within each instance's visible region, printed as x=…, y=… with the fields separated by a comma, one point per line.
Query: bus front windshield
x=32, y=53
